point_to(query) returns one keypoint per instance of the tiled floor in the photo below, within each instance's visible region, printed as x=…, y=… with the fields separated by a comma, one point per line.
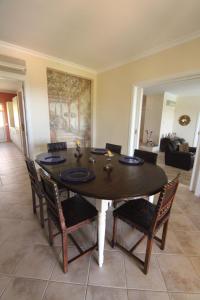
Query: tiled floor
x=171, y=171
x=30, y=268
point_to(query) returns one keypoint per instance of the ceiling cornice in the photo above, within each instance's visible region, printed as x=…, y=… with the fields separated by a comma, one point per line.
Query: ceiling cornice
x=144, y=54
x=152, y=51
x=46, y=56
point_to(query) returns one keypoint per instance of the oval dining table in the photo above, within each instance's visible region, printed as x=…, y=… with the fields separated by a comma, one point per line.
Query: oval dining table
x=125, y=182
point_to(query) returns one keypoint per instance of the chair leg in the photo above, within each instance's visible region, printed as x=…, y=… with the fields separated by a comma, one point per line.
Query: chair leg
x=50, y=231
x=164, y=235
x=114, y=232
x=33, y=201
x=65, y=251
x=41, y=212
x=148, y=255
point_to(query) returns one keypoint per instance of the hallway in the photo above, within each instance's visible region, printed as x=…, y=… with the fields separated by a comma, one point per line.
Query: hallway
x=29, y=267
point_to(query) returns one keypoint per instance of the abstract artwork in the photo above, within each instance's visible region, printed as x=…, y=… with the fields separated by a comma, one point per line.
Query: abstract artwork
x=69, y=108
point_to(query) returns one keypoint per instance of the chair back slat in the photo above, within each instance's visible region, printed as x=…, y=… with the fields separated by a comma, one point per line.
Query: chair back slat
x=114, y=148
x=56, y=146
x=165, y=201
x=149, y=157
x=32, y=171
x=52, y=198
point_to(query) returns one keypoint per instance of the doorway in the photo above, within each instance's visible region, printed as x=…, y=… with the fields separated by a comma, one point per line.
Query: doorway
x=12, y=114
x=134, y=122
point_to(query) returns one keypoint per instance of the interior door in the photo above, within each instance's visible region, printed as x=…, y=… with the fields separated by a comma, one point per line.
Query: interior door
x=22, y=123
x=2, y=125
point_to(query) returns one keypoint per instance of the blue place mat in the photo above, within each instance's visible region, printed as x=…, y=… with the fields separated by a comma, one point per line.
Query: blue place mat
x=99, y=151
x=131, y=160
x=77, y=175
x=51, y=159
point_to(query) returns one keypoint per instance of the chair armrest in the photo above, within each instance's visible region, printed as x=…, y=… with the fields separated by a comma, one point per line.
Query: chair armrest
x=192, y=149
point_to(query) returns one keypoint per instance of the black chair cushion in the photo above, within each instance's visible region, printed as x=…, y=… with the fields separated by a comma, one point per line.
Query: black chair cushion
x=137, y=212
x=76, y=210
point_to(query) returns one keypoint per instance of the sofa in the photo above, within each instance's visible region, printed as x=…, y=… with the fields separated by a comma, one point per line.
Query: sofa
x=177, y=159
x=166, y=140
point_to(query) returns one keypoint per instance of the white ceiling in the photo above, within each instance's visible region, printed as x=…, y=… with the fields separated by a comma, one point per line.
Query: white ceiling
x=98, y=34
x=9, y=85
x=180, y=88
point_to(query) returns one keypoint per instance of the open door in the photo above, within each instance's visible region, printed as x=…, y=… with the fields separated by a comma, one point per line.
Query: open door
x=135, y=119
x=22, y=121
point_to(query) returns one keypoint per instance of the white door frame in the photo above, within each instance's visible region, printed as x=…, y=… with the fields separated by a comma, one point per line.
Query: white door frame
x=134, y=123
x=135, y=119
x=197, y=131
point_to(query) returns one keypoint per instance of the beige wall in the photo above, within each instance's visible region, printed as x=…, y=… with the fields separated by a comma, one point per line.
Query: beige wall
x=115, y=88
x=37, y=109
x=187, y=106
x=153, y=114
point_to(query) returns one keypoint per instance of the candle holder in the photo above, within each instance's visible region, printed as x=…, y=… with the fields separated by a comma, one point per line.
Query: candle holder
x=108, y=168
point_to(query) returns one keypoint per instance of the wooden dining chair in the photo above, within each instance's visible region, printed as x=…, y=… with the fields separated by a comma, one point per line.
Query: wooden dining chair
x=147, y=218
x=149, y=157
x=36, y=189
x=51, y=147
x=68, y=216
x=114, y=148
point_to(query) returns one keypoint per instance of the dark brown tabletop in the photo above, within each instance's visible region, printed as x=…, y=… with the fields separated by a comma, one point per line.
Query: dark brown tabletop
x=124, y=182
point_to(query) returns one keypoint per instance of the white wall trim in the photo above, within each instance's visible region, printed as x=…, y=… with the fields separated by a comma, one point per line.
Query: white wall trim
x=152, y=51
x=46, y=56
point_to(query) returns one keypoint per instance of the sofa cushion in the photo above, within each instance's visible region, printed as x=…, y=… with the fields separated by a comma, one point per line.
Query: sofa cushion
x=184, y=147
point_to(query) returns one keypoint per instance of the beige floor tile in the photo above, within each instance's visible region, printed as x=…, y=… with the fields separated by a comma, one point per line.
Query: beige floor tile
x=138, y=280
x=11, y=252
x=189, y=241
x=20, y=198
x=77, y=270
x=112, y=273
x=9, y=229
x=63, y=291
x=181, y=296
x=32, y=233
x=24, y=289
x=86, y=236
x=181, y=222
x=196, y=264
x=189, y=204
x=172, y=246
x=179, y=273
x=16, y=211
x=38, y=262
x=100, y=293
x=4, y=281
x=195, y=220
x=176, y=209
x=147, y=295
